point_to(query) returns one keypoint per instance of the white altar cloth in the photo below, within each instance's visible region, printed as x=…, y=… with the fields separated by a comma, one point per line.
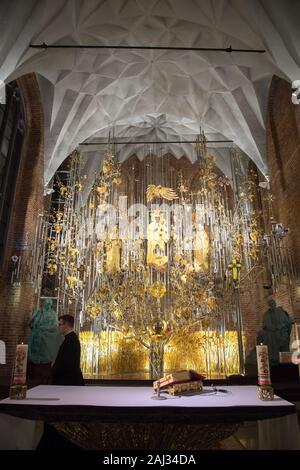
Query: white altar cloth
x=111, y=396
x=276, y=433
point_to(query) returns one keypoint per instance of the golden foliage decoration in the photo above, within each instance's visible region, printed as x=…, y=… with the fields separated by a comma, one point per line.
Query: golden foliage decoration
x=190, y=352
x=127, y=355
x=184, y=351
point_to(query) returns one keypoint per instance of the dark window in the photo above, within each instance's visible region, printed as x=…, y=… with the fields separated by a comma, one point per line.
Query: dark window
x=11, y=137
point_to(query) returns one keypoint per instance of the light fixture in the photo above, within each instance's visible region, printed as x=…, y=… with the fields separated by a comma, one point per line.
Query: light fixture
x=296, y=92
x=279, y=230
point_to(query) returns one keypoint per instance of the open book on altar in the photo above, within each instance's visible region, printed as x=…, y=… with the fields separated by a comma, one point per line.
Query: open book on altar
x=178, y=377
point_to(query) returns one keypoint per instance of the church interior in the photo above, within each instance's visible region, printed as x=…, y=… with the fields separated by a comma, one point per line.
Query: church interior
x=149, y=162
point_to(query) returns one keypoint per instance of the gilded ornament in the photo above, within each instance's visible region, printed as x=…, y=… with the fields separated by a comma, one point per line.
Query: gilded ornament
x=72, y=281
x=73, y=251
x=101, y=189
x=94, y=311
x=117, y=181
x=59, y=215
x=106, y=167
x=254, y=236
x=239, y=238
x=53, y=243
x=158, y=290
x=63, y=190
x=79, y=186
x=58, y=227
x=52, y=268
x=158, y=328
x=159, y=191
x=118, y=313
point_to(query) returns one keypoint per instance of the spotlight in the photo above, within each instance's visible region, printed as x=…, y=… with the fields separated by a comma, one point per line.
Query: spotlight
x=296, y=92
x=48, y=191
x=264, y=185
x=279, y=230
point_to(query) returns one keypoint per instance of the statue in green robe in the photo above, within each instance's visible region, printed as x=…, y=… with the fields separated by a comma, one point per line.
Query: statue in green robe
x=276, y=332
x=44, y=339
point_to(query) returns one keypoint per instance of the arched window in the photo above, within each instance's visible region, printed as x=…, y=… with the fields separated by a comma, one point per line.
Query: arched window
x=12, y=127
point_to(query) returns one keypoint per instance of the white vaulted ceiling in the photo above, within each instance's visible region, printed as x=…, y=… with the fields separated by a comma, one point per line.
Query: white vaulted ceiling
x=151, y=94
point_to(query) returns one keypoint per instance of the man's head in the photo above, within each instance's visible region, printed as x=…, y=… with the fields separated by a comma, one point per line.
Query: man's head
x=271, y=303
x=65, y=324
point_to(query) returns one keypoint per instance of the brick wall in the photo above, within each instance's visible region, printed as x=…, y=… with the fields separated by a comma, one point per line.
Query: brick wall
x=283, y=151
x=283, y=155
x=18, y=302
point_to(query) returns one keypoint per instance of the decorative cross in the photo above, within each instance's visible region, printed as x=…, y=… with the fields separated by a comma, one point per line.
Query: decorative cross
x=235, y=267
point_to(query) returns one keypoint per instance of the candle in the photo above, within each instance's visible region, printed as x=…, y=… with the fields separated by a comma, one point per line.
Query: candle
x=263, y=368
x=19, y=377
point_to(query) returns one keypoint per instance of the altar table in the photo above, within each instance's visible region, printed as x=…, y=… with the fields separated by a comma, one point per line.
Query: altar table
x=110, y=417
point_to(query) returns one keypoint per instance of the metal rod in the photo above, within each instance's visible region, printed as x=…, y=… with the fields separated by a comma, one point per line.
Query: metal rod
x=163, y=48
x=239, y=332
x=159, y=142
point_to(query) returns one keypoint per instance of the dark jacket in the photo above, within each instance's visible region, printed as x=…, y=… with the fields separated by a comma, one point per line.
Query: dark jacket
x=66, y=368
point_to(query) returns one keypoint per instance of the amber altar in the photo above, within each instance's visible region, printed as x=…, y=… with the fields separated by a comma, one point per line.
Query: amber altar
x=151, y=254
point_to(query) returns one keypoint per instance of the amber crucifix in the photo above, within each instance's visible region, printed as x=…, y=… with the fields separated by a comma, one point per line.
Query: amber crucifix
x=235, y=267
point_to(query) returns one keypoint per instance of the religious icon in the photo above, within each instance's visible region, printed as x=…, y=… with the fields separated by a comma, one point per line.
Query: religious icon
x=157, y=241
x=201, y=247
x=113, y=253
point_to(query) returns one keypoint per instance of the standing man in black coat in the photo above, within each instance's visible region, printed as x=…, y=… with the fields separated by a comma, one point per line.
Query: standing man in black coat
x=66, y=368
x=65, y=371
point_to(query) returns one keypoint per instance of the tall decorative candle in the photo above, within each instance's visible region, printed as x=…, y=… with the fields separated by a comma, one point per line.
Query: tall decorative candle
x=263, y=368
x=19, y=377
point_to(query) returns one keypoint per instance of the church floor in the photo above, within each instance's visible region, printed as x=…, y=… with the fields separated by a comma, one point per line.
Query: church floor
x=246, y=438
